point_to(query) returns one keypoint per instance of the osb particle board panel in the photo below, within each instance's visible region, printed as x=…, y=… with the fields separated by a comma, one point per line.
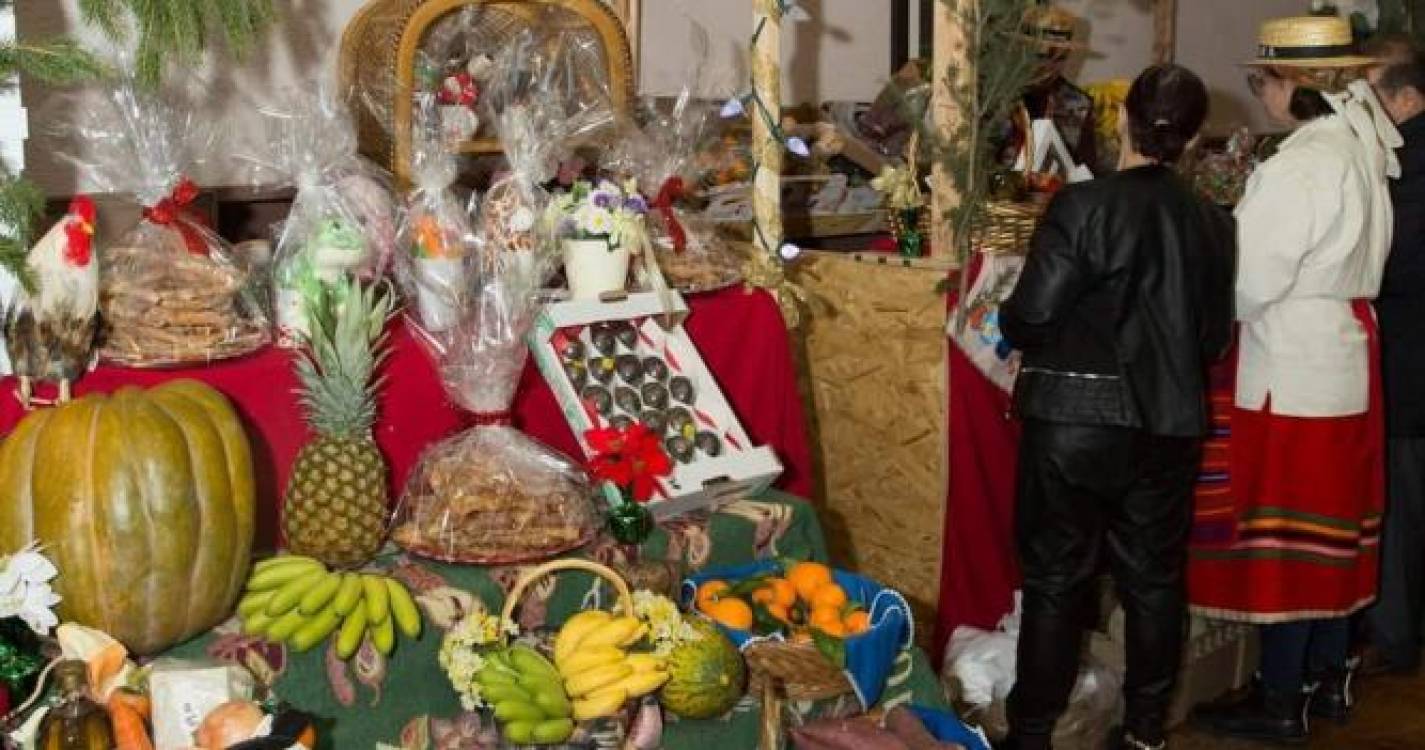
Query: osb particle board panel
x=874, y=372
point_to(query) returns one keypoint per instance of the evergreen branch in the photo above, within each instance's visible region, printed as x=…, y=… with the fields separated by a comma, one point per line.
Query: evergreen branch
x=178, y=30
x=57, y=61
x=22, y=205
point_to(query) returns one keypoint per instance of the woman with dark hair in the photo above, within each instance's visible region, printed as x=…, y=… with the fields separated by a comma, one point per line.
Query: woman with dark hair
x=1125, y=298
x=1297, y=553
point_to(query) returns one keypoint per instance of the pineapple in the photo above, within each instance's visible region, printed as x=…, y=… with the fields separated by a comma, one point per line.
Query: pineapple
x=336, y=498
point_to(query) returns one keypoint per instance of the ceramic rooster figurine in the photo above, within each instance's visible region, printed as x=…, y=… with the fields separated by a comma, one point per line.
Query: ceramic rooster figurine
x=50, y=326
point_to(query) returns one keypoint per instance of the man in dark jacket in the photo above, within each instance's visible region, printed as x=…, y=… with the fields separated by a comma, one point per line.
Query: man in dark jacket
x=1395, y=621
x=1125, y=299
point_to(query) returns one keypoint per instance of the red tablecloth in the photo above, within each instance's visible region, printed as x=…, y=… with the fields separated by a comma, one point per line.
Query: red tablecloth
x=741, y=336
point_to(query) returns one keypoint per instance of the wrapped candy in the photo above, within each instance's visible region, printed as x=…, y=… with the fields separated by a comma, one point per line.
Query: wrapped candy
x=172, y=291
x=492, y=494
x=341, y=222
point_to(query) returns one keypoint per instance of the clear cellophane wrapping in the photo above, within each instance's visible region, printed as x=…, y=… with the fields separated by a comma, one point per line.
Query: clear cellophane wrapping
x=492, y=494
x=658, y=146
x=172, y=292
x=342, y=221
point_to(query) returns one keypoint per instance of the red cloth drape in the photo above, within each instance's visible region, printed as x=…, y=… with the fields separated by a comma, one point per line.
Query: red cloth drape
x=741, y=336
x=979, y=570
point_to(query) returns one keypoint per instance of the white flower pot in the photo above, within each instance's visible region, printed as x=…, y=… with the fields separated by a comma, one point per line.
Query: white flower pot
x=594, y=268
x=439, y=284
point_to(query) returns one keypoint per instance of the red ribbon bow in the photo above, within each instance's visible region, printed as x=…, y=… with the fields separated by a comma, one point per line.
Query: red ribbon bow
x=175, y=211
x=468, y=92
x=672, y=190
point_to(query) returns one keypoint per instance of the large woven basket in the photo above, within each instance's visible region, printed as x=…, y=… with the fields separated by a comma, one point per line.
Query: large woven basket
x=380, y=45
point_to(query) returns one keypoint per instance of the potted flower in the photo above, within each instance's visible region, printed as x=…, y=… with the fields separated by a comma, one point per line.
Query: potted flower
x=26, y=611
x=600, y=228
x=631, y=459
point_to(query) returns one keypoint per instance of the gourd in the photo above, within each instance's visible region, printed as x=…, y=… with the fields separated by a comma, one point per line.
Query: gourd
x=144, y=501
x=706, y=676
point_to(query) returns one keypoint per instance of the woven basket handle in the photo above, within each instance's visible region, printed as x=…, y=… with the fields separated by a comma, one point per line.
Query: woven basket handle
x=625, y=597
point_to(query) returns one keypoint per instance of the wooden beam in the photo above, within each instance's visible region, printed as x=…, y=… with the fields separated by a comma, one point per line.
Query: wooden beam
x=767, y=148
x=951, y=53
x=1165, y=31
x=900, y=33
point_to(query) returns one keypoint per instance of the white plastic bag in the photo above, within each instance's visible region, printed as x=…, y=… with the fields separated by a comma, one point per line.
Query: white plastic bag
x=183, y=692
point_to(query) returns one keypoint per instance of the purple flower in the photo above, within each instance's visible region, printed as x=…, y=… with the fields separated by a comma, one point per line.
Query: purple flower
x=603, y=200
x=636, y=204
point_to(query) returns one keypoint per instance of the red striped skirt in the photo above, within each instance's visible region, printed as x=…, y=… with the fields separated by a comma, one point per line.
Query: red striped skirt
x=1288, y=509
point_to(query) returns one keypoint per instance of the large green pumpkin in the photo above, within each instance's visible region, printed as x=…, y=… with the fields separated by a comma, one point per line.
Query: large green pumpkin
x=143, y=500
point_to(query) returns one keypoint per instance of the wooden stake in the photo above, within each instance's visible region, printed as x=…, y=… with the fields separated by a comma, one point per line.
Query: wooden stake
x=766, y=62
x=951, y=51
x=1165, y=25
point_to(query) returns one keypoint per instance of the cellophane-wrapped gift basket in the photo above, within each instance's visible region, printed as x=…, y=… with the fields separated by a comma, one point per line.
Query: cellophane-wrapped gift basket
x=172, y=291
x=342, y=222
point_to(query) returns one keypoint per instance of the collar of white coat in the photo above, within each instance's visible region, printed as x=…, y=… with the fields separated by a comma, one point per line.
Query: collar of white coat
x=1360, y=108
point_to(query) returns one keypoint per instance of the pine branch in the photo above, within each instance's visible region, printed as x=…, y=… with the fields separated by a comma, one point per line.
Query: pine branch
x=22, y=205
x=56, y=61
x=177, y=31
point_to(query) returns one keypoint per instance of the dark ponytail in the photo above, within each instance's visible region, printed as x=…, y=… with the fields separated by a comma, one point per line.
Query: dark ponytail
x=1166, y=107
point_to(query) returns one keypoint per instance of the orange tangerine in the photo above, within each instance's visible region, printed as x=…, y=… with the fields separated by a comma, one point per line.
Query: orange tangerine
x=858, y=622
x=732, y=612
x=821, y=618
x=807, y=577
x=710, y=591
x=765, y=595
x=834, y=629
x=782, y=614
x=786, y=593
x=829, y=596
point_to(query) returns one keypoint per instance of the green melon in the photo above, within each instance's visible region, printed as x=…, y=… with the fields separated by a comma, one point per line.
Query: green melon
x=706, y=677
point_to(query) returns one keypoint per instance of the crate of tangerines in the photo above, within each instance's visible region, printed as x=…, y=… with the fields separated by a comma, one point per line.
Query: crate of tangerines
x=807, y=631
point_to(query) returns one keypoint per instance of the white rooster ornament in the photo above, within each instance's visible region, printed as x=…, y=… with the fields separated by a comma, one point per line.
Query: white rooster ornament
x=50, y=326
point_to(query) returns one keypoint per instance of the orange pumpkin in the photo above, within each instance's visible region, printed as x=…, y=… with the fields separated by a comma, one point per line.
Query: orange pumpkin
x=144, y=500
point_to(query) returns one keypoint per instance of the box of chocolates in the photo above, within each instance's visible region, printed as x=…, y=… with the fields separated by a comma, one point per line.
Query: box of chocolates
x=630, y=360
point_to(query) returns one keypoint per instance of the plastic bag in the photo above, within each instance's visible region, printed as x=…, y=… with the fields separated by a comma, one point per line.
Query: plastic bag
x=341, y=222
x=980, y=669
x=172, y=292
x=436, y=236
x=545, y=103
x=492, y=494
x=184, y=692
x=658, y=147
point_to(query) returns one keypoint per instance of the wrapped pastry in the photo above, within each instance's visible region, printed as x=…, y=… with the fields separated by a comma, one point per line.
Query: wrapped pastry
x=172, y=292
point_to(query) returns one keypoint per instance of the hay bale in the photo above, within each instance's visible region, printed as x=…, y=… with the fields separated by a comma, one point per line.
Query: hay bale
x=873, y=363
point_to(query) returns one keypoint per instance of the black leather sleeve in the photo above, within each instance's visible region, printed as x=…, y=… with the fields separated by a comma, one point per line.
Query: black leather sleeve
x=1219, y=281
x=1053, y=275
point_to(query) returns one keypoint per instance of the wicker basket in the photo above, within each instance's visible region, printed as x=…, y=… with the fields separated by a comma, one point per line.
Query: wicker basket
x=380, y=45
x=512, y=600
x=797, y=671
x=1005, y=227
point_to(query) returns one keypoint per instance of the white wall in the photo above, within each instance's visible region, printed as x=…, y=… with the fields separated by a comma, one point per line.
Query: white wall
x=843, y=53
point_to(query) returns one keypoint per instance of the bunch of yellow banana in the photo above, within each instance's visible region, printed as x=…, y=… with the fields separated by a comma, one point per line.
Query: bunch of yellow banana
x=296, y=600
x=599, y=673
x=525, y=691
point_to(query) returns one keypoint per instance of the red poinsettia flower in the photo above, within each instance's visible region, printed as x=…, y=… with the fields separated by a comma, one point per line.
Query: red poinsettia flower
x=631, y=458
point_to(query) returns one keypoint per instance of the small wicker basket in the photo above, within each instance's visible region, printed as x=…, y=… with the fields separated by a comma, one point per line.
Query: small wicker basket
x=1006, y=227
x=625, y=597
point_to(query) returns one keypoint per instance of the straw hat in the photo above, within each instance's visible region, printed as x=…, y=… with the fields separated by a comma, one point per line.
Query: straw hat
x=1051, y=27
x=1308, y=42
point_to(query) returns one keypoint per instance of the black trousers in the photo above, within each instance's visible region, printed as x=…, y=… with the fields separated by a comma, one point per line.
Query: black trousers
x=1085, y=492
x=1395, y=619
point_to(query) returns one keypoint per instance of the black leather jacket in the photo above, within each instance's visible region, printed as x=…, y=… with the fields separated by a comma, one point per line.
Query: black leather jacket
x=1124, y=301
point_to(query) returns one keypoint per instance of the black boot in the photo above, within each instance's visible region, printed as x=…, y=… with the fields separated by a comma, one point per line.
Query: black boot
x=1264, y=715
x=1331, y=696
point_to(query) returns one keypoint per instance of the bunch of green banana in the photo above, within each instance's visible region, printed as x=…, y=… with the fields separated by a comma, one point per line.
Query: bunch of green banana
x=599, y=673
x=296, y=600
x=527, y=695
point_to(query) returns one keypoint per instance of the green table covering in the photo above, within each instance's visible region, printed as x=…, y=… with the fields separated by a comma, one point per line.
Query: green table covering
x=405, y=701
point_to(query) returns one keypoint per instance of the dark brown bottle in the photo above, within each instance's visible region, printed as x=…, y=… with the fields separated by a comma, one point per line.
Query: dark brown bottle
x=76, y=722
